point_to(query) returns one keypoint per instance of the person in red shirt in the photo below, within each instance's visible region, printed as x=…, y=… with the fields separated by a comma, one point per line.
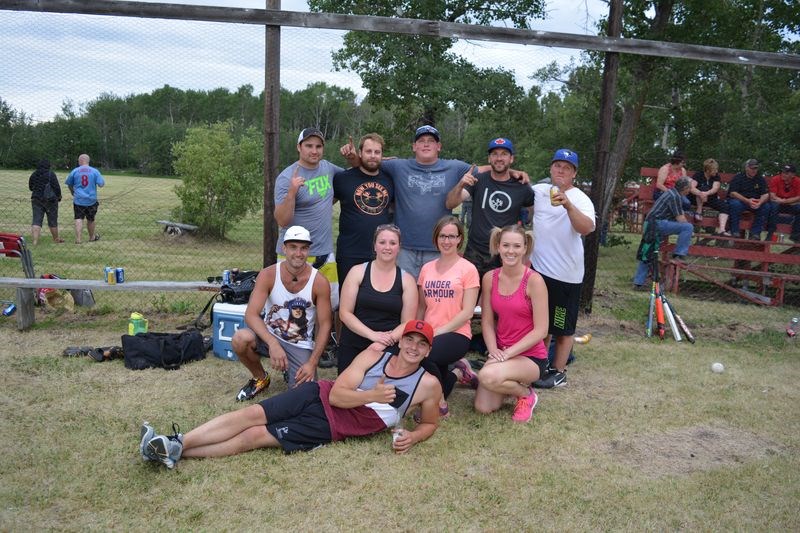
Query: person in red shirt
x=784, y=196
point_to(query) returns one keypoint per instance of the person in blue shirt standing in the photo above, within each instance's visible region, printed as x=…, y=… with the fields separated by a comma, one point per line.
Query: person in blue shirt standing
x=83, y=182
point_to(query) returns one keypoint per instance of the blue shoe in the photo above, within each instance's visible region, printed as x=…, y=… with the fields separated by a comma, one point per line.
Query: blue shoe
x=146, y=434
x=167, y=448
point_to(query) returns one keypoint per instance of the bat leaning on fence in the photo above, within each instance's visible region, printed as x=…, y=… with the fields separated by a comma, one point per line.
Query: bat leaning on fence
x=671, y=319
x=649, y=327
x=686, y=331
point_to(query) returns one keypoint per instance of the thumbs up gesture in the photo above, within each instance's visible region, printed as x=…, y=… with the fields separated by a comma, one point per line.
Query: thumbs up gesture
x=383, y=393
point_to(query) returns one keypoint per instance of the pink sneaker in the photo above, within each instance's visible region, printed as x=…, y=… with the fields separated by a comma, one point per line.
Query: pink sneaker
x=468, y=377
x=523, y=411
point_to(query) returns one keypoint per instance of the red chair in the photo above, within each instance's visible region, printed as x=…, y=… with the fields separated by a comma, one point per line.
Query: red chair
x=13, y=245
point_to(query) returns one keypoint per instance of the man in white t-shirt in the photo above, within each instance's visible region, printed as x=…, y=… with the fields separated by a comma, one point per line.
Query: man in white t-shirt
x=560, y=220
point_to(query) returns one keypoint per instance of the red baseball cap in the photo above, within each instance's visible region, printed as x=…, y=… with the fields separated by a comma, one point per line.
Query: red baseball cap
x=421, y=327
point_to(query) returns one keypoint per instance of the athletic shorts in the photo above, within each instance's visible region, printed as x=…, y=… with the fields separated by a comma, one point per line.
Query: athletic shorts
x=563, y=301
x=39, y=208
x=326, y=264
x=541, y=363
x=85, y=211
x=297, y=357
x=296, y=418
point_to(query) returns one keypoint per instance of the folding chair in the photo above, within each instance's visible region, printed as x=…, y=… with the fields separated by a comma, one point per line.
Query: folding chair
x=13, y=245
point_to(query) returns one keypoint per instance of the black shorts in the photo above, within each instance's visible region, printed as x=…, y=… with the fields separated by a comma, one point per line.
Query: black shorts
x=563, y=300
x=296, y=418
x=85, y=211
x=542, y=363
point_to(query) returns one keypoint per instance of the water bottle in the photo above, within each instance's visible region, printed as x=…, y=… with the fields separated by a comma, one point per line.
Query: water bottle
x=137, y=324
x=791, y=329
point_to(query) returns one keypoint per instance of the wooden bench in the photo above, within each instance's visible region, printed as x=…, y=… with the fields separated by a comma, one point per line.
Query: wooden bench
x=176, y=228
x=638, y=201
x=26, y=293
x=741, y=260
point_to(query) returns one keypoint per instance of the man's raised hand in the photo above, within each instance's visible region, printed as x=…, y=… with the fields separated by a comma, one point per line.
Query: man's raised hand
x=383, y=393
x=297, y=180
x=469, y=178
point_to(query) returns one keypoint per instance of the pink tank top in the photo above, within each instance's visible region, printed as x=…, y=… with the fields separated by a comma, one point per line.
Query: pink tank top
x=514, y=316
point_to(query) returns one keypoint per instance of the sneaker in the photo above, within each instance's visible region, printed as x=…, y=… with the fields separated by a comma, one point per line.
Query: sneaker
x=146, y=434
x=253, y=387
x=468, y=377
x=553, y=378
x=167, y=448
x=523, y=411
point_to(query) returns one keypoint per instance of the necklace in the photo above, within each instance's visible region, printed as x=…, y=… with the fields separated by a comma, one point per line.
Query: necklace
x=294, y=274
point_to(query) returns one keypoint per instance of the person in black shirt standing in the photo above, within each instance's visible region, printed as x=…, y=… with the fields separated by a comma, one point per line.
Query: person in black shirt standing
x=366, y=195
x=45, y=195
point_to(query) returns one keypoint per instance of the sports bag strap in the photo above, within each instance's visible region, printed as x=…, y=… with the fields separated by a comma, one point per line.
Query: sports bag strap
x=197, y=323
x=169, y=366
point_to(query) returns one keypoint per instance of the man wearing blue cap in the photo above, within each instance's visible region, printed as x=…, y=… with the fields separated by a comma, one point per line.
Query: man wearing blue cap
x=497, y=201
x=561, y=218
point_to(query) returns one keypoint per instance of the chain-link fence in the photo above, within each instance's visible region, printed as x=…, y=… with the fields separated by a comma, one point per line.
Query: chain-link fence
x=128, y=88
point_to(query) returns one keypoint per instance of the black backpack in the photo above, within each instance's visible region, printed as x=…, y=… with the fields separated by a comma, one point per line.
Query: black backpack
x=162, y=350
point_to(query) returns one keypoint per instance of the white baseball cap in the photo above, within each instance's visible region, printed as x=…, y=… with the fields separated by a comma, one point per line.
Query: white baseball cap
x=297, y=233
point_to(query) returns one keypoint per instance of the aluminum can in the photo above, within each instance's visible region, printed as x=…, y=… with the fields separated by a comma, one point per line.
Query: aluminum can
x=8, y=311
x=111, y=276
x=119, y=274
x=226, y=277
x=553, y=191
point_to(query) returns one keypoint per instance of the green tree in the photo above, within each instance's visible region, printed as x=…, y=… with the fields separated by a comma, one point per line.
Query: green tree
x=417, y=77
x=222, y=176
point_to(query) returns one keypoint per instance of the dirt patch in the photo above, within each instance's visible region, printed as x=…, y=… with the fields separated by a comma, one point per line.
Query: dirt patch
x=691, y=449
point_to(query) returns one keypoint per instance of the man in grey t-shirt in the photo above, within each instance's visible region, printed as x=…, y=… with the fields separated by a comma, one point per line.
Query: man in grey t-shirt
x=304, y=197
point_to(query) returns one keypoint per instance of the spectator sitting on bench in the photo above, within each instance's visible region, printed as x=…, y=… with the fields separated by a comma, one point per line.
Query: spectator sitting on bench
x=667, y=215
x=748, y=192
x=784, y=195
x=669, y=174
x=703, y=192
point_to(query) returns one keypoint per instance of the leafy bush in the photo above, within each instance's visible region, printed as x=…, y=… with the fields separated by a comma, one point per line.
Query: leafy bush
x=222, y=176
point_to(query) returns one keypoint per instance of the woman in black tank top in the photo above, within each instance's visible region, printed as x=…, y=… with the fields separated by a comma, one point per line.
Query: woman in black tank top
x=377, y=299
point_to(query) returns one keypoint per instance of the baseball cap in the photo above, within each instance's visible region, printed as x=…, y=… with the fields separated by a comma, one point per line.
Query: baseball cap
x=297, y=233
x=501, y=142
x=564, y=154
x=421, y=327
x=752, y=163
x=788, y=168
x=310, y=132
x=426, y=130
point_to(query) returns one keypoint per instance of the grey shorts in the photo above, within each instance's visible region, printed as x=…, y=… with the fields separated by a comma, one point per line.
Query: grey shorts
x=297, y=357
x=42, y=207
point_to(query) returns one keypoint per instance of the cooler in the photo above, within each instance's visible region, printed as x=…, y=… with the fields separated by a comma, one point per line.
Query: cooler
x=227, y=319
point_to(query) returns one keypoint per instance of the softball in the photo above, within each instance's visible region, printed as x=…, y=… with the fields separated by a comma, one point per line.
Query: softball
x=718, y=368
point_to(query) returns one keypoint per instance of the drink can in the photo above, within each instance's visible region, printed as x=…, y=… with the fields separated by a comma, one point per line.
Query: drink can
x=8, y=311
x=119, y=274
x=553, y=191
x=111, y=276
x=226, y=277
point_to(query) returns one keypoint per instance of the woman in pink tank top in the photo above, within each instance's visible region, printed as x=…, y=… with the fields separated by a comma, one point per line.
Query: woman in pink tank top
x=514, y=322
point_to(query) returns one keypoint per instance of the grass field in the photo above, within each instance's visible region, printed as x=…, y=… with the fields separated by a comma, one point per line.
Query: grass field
x=644, y=437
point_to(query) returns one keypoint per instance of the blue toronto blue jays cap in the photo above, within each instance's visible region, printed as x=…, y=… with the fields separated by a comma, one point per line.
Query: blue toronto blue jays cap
x=426, y=130
x=501, y=142
x=564, y=154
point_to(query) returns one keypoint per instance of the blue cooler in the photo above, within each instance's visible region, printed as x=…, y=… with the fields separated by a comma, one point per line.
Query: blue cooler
x=227, y=319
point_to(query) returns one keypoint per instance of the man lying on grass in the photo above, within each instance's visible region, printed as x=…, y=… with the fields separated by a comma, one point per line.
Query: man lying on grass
x=373, y=392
